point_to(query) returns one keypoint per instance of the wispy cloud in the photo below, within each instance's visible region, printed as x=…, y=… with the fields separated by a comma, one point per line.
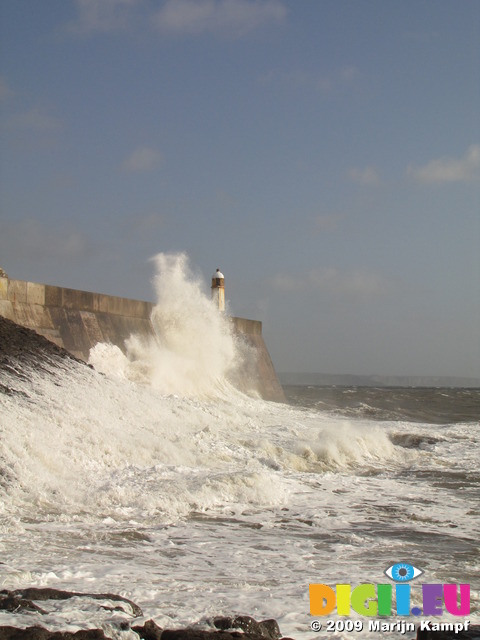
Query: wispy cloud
x=348, y=74
x=30, y=238
x=143, y=159
x=102, y=15
x=327, y=222
x=447, y=169
x=144, y=225
x=223, y=17
x=298, y=79
x=317, y=81
x=176, y=17
x=421, y=36
x=35, y=120
x=357, y=282
x=283, y=282
x=368, y=176
x=6, y=91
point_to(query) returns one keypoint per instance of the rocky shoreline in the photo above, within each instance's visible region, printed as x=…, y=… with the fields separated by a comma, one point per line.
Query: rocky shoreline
x=21, y=344
x=27, y=600
x=222, y=628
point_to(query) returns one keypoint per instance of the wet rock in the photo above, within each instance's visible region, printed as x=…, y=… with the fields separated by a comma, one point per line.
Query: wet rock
x=33, y=593
x=14, y=603
x=39, y=633
x=200, y=634
x=22, y=344
x=149, y=631
x=226, y=628
x=266, y=629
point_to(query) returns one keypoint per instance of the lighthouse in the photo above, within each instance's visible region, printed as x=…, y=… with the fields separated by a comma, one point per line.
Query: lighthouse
x=218, y=289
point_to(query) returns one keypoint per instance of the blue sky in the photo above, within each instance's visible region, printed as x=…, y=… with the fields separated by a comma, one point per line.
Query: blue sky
x=325, y=154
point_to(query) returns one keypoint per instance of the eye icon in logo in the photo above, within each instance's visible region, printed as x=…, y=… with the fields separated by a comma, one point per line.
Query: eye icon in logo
x=402, y=572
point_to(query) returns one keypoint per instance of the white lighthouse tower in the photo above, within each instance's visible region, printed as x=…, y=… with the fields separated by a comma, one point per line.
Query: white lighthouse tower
x=218, y=289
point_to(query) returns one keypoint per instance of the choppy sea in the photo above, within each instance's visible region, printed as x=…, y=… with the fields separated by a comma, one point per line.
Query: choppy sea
x=199, y=501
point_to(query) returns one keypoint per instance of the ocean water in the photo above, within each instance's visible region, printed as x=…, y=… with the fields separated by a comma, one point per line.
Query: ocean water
x=151, y=476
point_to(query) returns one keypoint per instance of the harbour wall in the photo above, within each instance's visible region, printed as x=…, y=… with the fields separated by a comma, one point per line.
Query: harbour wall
x=77, y=320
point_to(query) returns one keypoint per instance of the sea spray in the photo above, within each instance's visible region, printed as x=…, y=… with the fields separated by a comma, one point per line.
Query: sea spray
x=80, y=444
x=194, y=351
x=201, y=506
x=165, y=432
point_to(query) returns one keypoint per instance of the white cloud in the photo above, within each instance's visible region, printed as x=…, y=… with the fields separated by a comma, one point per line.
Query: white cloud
x=316, y=81
x=178, y=17
x=235, y=17
x=348, y=74
x=142, y=159
x=446, y=169
x=5, y=91
x=35, y=120
x=144, y=225
x=327, y=222
x=298, y=79
x=358, y=282
x=354, y=283
x=367, y=176
x=284, y=282
x=422, y=36
x=29, y=237
x=102, y=15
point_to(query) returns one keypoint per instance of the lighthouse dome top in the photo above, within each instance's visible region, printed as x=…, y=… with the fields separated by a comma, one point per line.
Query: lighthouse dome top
x=218, y=274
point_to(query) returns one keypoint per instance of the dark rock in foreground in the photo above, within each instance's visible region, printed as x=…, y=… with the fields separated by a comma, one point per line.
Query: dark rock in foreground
x=23, y=598
x=23, y=350
x=149, y=631
x=266, y=629
x=39, y=633
x=226, y=628
x=20, y=343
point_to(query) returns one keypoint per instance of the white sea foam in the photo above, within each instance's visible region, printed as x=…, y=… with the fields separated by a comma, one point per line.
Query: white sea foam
x=100, y=468
x=158, y=480
x=83, y=441
x=194, y=350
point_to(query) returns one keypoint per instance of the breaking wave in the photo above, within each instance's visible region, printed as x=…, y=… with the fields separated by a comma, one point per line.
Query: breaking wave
x=151, y=472
x=194, y=351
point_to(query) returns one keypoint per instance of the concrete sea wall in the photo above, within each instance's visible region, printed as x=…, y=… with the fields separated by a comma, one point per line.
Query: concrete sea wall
x=77, y=320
